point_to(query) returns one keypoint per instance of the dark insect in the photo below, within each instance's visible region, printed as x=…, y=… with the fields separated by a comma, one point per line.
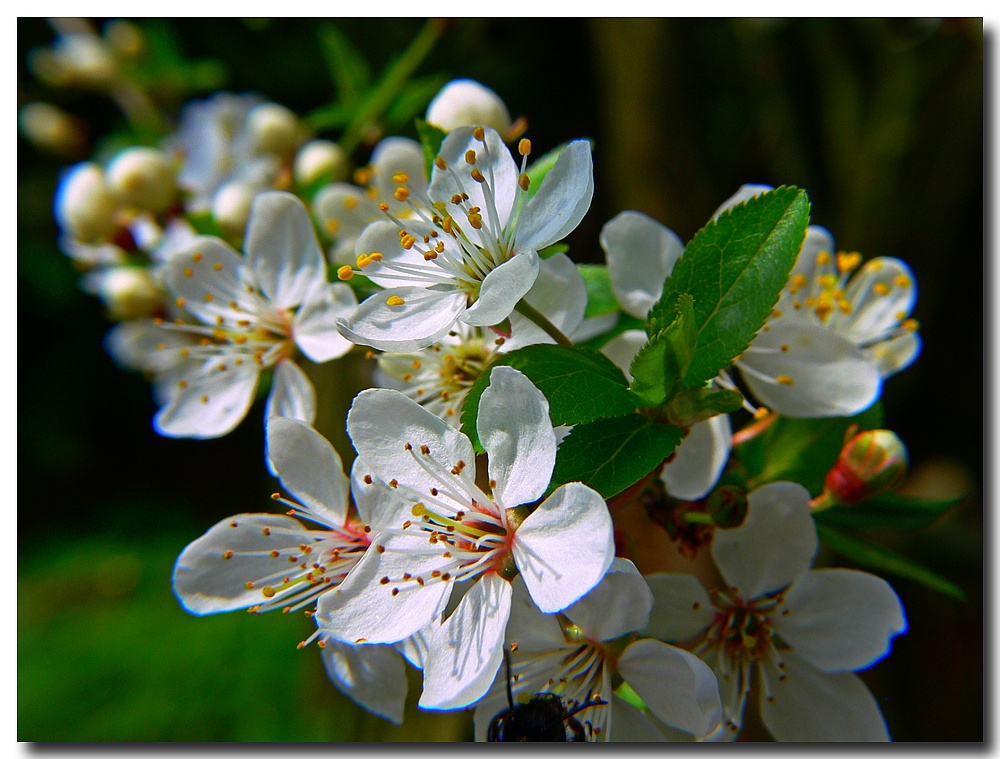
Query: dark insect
x=545, y=717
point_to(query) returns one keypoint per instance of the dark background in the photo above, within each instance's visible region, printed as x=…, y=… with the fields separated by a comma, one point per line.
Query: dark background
x=880, y=120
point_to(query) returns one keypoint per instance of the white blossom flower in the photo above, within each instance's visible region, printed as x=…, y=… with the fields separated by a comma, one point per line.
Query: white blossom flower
x=263, y=562
x=254, y=312
x=465, y=102
x=588, y=648
x=832, y=337
x=446, y=529
x=803, y=632
x=438, y=269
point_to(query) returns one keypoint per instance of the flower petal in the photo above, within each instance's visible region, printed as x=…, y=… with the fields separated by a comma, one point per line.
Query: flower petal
x=465, y=652
x=808, y=371
x=315, y=326
x=629, y=725
x=620, y=604
x=502, y=289
x=492, y=159
x=641, y=253
x=810, y=705
x=775, y=544
x=875, y=314
x=394, y=156
x=208, y=583
x=699, y=459
x=564, y=548
x=382, y=237
x=372, y=676
x=559, y=294
x=209, y=278
x=682, y=608
x=840, y=619
x=742, y=195
x=516, y=433
x=310, y=468
x=343, y=210
x=292, y=393
x=210, y=406
x=529, y=628
x=890, y=356
x=282, y=249
x=677, y=686
x=424, y=318
x=562, y=200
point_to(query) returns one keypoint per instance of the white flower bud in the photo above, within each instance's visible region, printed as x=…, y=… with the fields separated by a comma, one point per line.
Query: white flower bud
x=273, y=129
x=231, y=206
x=124, y=37
x=129, y=292
x=85, y=207
x=464, y=102
x=50, y=128
x=143, y=177
x=84, y=60
x=320, y=159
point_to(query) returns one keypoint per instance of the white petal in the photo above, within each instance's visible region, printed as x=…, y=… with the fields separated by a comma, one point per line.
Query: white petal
x=817, y=240
x=560, y=294
x=529, y=628
x=379, y=506
x=829, y=375
x=135, y=345
x=424, y=318
x=292, y=394
x=890, y=356
x=343, y=210
x=398, y=155
x=309, y=468
x=282, y=248
x=742, y=195
x=414, y=649
x=210, y=407
x=465, y=652
x=315, y=326
x=564, y=548
x=629, y=725
x=209, y=277
x=516, y=433
x=840, y=619
x=362, y=608
x=495, y=162
x=382, y=237
x=622, y=348
x=811, y=705
x=677, y=686
x=620, y=604
x=641, y=253
x=873, y=315
x=372, y=676
x=681, y=609
x=207, y=583
x=699, y=459
x=382, y=422
x=774, y=546
x=502, y=289
x=562, y=200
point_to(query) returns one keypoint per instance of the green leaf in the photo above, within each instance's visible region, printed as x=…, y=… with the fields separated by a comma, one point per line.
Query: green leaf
x=888, y=511
x=431, y=138
x=553, y=249
x=332, y=116
x=883, y=559
x=600, y=297
x=803, y=450
x=412, y=100
x=580, y=384
x=625, y=323
x=735, y=268
x=350, y=72
x=609, y=455
x=660, y=364
x=691, y=406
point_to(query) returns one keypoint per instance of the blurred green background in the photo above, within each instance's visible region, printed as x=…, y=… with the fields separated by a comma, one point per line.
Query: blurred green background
x=880, y=120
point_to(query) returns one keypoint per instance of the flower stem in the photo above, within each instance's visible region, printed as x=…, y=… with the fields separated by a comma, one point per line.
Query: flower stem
x=536, y=316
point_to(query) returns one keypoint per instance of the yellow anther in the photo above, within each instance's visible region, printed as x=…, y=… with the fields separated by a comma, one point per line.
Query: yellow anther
x=784, y=379
x=416, y=363
x=470, y=157
x=180, y=302
x=848, y=261
x=881, y=288
x=456, y=200
x=401, y=194
x=478, y=176
x=823, y=309
x=760, y=413
x=204, y=399
x=332, y=226
x=188, y=273
x=784, y=348
x=479, y=133
x=799, y=280
x=828, y=281
x=823, y=258
x=383, y=207
x=901, y=281
x=430, y=255
x=209, y=297
x=400, y=177
x=363, y=260
x=227, y=555
x=524, y=146
x=344, y=273
x=196, y=257
x=182, y=384
x=845, y=305
x=406, y=376
x=910, y=325
x=407, y=241
x=524, y=181
x=268, y=591
x=217, y=266
x=418, y=510
x=440, y=163
x=375, y=256
x=797, y=305
x=394, y=300
x=362, y=176
x=446, y=225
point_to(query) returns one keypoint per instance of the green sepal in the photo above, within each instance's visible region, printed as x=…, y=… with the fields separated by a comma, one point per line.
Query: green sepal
x=553, y=249
x=659, y=366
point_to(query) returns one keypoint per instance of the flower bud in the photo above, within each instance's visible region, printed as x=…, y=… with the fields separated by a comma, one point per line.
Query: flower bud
x=273, y=129
x=231, y=207
x=51, y=128
x=75, y=60
x=143, y=178
x=124, y=37
x=871, y=462
x=85, y=207
x=320, y=159
x=464, y=102
x=128, y=292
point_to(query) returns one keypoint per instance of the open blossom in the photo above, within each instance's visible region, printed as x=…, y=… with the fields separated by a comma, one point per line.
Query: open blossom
x=446, y=529
x=254, y=312
x=802, y=632
x=264, y=562
x=472, y=255
x=589, y=648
